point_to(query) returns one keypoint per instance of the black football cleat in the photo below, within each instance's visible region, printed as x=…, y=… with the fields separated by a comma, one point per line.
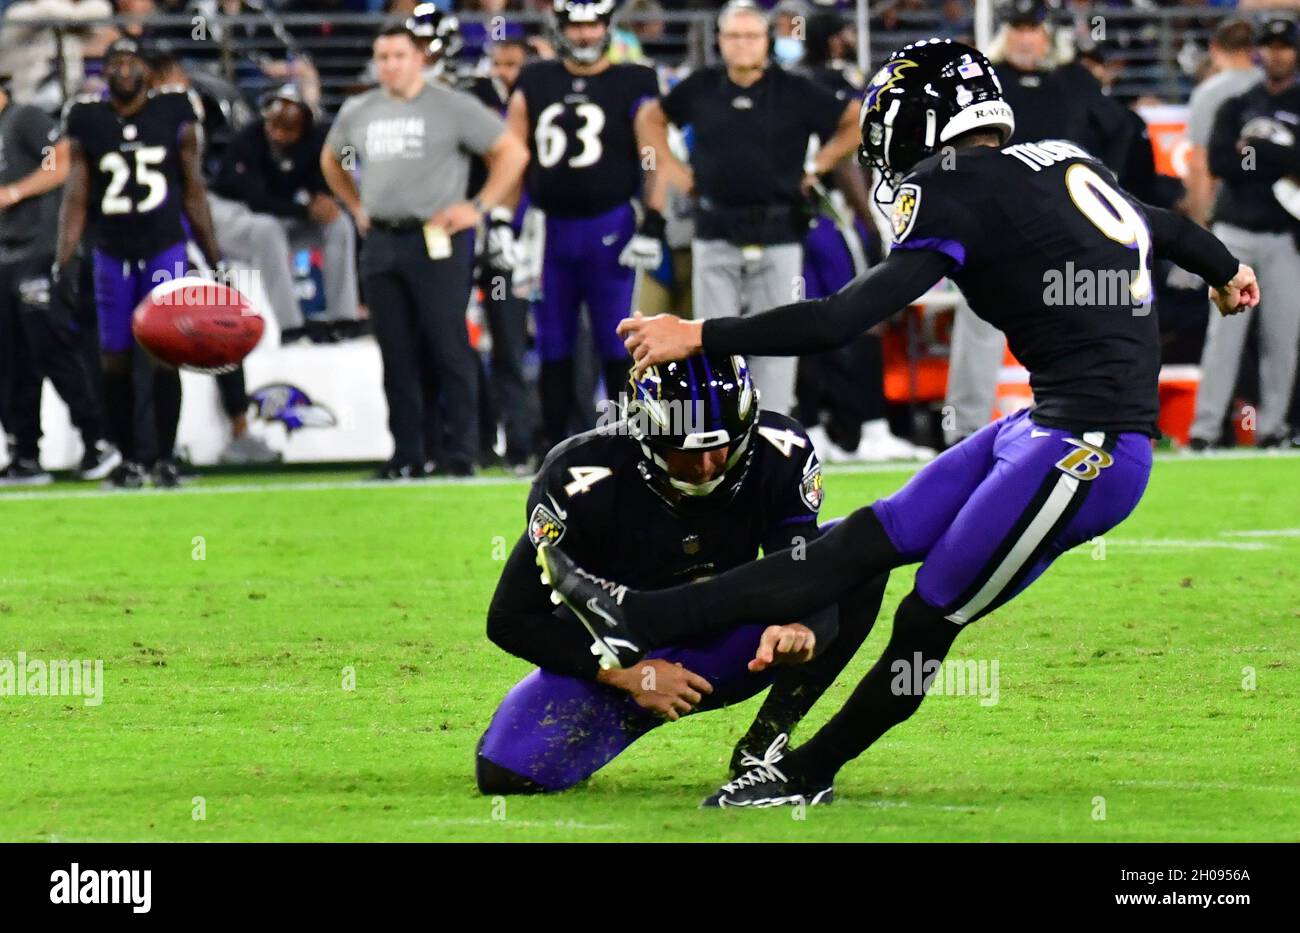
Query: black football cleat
x=126, y=475
x=596, y=602
x=99, y=460
x=166, y=475
x=25, y=472
x=766, y=785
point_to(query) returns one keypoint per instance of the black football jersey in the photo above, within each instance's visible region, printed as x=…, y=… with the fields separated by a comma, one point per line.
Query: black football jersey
x=134, y=202
x=1052, y=252
x=591, y=498
x=585, y=159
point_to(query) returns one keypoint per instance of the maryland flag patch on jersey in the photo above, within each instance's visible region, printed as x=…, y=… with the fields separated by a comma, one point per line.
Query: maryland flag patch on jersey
x=906, y=201
x=544, y=527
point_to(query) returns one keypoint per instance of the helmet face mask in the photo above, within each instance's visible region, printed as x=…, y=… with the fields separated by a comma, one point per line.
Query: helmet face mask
x=439, y=31
x=693, y=406
x=566, y=13
x=925, y=95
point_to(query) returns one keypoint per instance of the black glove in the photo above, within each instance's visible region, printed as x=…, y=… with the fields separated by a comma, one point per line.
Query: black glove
x=64, y=291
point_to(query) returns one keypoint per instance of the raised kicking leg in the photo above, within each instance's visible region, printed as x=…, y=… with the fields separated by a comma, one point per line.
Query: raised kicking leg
x=1047, y=493
x=785, y=585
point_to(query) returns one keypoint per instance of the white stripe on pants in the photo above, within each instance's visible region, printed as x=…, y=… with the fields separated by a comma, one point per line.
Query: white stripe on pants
x=725, y=283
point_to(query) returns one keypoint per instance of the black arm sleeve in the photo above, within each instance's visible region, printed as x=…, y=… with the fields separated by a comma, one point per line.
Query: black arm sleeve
x=1188, y=244
x=1284, y=159
x=828, y=323
x=522, y=621
x=825, y=622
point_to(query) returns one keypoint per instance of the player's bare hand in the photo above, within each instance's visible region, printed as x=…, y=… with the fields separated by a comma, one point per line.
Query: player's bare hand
x=362, y=220
x=663, y=687
x=458, y=217
x=1240, y=294
x=654, y=340
x=784, y=644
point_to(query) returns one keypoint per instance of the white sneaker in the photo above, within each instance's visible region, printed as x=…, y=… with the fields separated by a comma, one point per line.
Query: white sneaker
x=249, y=450
x=880, y=445
x=827, y=450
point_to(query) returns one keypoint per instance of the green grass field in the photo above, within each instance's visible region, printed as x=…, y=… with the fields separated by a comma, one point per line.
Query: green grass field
x=1123, y=675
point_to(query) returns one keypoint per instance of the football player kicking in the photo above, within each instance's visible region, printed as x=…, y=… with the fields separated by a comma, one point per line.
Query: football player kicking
x=692, y=482
x=135, y=172
x=988, y=516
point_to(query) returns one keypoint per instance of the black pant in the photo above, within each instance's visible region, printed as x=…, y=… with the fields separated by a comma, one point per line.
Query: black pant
x=417, y=307
x=847, y=385
x=33, y=346
x=507, y=318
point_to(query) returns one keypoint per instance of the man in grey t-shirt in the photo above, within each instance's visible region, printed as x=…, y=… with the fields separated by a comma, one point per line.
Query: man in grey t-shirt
x=38, y=338
x=1231, y=54
x=410, y=142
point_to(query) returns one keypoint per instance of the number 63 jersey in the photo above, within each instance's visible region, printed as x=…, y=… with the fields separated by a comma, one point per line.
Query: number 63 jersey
x=584, y=154
x=1051, y=251
x=133, y=200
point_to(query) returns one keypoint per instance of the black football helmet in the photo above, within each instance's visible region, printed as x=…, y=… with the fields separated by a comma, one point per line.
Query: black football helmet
x=695, y=404
x=925, y=95
x=440, y=30
x=564, y=12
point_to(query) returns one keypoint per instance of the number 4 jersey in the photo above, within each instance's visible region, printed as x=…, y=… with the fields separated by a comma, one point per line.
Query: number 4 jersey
x=1053, y=253
x=133, y=203
x=584, y=154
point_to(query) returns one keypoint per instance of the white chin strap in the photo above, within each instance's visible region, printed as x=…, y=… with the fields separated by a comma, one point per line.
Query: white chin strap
x=698, y=489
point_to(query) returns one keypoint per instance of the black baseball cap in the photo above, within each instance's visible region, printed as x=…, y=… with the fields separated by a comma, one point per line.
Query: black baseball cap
x=125, y=46
x=1026, y=12
x=1279, y=29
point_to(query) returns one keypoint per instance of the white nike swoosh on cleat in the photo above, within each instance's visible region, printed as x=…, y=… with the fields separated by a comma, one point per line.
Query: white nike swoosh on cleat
x=1037, y=433
x=594, y=606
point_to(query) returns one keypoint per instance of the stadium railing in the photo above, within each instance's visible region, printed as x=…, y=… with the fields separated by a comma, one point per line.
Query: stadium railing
x=1159, y=49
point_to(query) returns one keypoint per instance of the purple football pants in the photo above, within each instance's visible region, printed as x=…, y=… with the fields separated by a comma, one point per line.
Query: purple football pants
x=558, y=730
x=581, y=267
x=827, y=263
x=990, y=514
x=121, y=284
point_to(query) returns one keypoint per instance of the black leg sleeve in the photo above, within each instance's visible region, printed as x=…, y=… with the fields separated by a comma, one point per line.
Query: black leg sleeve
x=797, y=688
x=166, y=409
x=233, y=391
x=920, y=631
x=119, y=405
x=773, y=590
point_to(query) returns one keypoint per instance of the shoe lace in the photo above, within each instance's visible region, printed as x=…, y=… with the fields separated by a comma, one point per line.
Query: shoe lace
x=760, y=770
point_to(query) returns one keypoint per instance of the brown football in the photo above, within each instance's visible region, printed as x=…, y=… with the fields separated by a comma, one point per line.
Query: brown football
x=198, y=324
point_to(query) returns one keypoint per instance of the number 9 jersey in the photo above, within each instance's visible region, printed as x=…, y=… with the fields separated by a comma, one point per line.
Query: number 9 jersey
x=585, y=159
x=133, y=201
x=1053, y=253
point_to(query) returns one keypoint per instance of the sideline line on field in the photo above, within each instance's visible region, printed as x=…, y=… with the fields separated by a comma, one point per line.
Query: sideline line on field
x=200, y=487
x=527, y=824
x=1212, y=785
x=1178, y=544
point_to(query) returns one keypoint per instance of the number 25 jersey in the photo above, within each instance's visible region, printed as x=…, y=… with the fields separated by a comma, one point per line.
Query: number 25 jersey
x=133, y=200
x=585, y=159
